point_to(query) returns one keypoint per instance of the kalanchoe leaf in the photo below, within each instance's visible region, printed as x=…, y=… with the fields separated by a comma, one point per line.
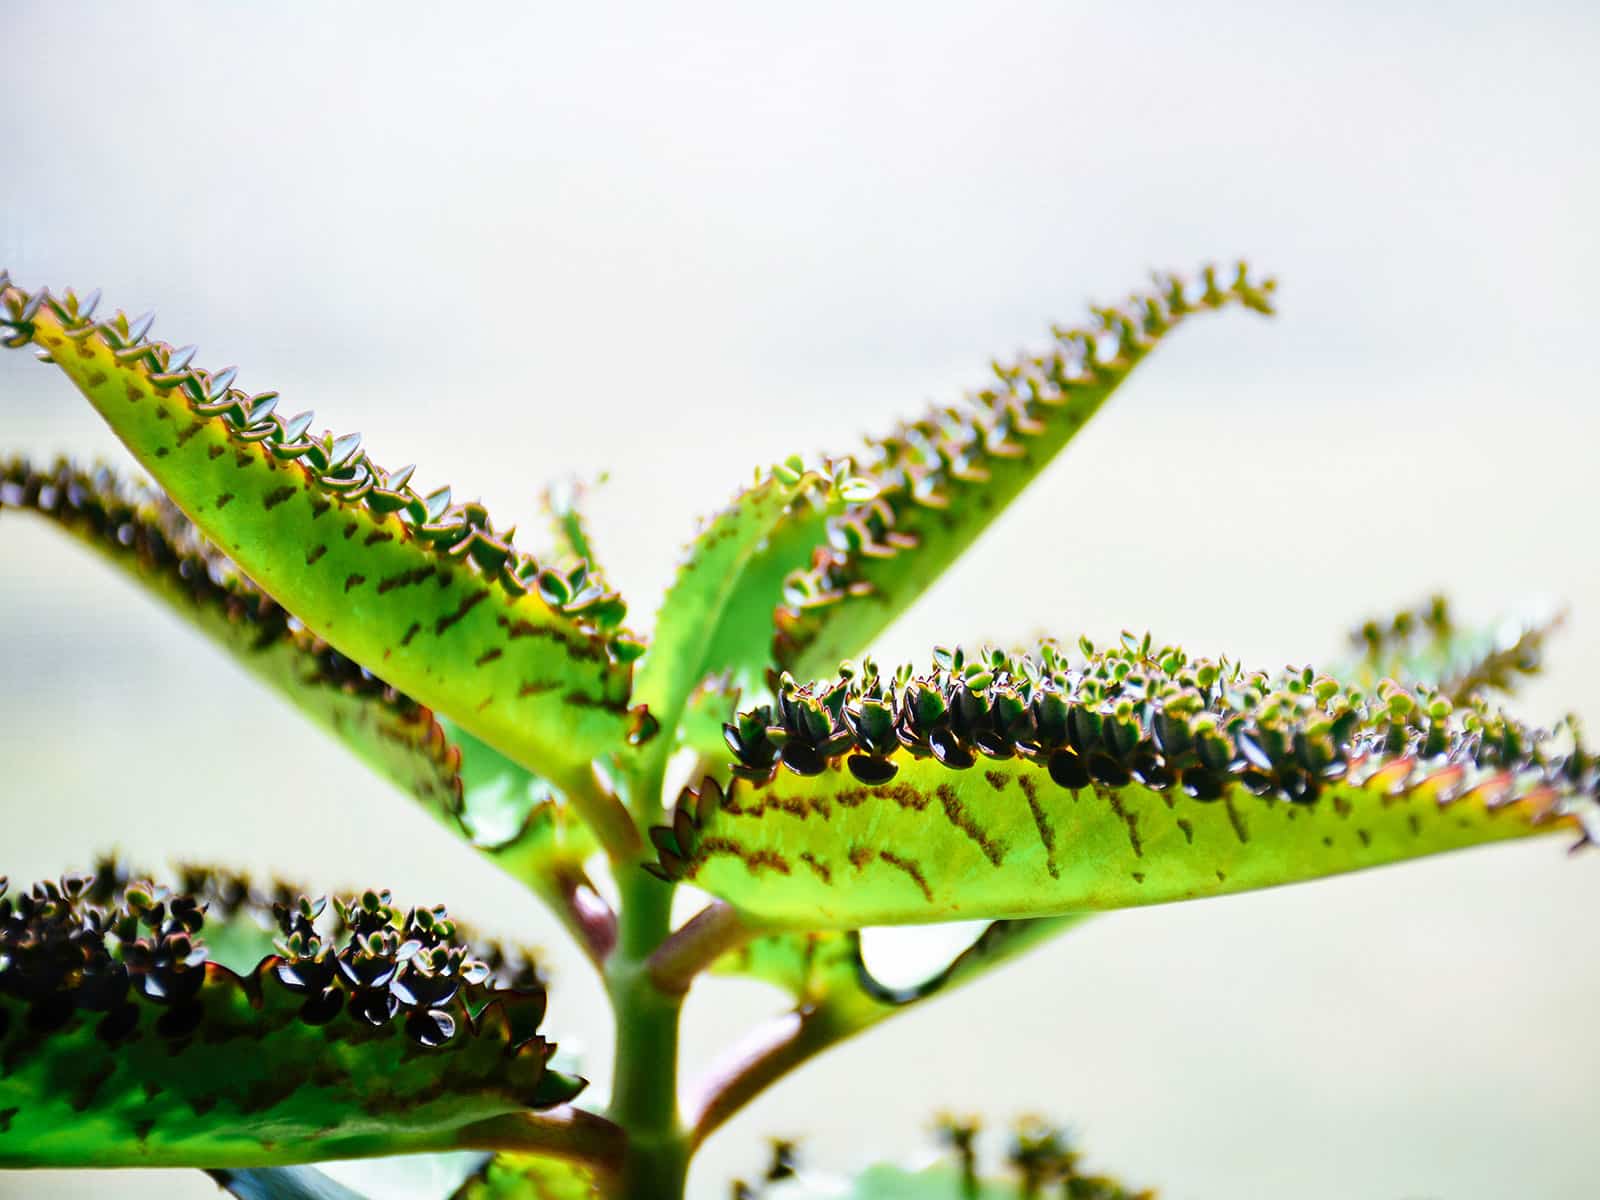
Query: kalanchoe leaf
x=529, y=1177
x=472, y=788
x=143, y=533
x=1039, y=1160
x=1426, y=645
x=716, y=617
x=1162, y=783
x=188, y=1063
x=375, y=581
x=941, y=480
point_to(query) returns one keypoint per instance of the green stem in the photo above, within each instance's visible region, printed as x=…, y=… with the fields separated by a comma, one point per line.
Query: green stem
x=644, y=1097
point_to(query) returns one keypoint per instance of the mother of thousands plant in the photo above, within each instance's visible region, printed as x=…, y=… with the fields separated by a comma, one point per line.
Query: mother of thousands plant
x=247, y=1030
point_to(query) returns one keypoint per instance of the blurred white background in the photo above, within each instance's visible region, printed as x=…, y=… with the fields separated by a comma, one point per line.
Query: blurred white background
x=670, y=243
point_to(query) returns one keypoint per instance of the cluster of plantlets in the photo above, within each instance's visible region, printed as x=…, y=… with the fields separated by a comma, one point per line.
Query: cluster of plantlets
x=499, y=687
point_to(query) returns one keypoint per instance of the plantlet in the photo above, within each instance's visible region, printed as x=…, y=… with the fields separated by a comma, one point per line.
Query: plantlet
x=247, y=1029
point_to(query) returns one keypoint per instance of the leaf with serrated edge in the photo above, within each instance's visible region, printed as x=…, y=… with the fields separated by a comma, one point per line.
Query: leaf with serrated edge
x=943, y=479
x=142, y=533
x=1426, y=645
x=472, y=788
x=710, y=591
x=153, y=1059
x=434, y=601
x=1101, y=795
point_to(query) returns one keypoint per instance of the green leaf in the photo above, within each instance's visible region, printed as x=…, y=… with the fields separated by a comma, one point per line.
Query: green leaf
x=426, y=593
x=719, y=606
x=529, y=1177
x=1040, y=1161
x=142, y=533
x=500, y=807
x=1003, y=786
x=122, y=1046
x=943, y=479
x=1425, y=645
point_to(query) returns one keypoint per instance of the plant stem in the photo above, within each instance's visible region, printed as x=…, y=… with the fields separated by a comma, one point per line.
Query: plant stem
x=705, y=937
x=644, y=1098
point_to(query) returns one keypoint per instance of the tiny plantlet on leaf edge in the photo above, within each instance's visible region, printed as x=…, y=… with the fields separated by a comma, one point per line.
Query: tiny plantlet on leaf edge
x=253, y=1031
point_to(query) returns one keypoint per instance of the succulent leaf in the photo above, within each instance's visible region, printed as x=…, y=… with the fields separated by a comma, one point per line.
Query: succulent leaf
x=499, y=806
x=425, y=592
x=1040, y=1160
x=1014, y=786
x=122, y=1045
x=1426, y=645
x=529, y=1177
x=716, y=614
x=942, y=479
x=141, y=532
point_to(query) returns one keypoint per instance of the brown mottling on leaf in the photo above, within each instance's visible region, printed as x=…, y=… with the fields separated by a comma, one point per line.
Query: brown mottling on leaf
x=405, y=639
x=1236, y=819
x=404, y=579
x=1131, y=820
x=315, y=553
x=910, y=867
x=818, y=867
x=997, y=779
x=222, y=500
x=956, y=813
x=352, y=581
x=468, y=603
x=276, y=497
x=488, y=656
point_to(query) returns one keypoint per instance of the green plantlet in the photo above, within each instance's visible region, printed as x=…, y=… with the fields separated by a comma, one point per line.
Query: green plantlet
x=252, y=1030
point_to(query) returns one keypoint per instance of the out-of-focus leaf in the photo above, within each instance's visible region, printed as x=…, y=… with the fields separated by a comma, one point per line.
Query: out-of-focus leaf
x=1425, y=645
x=528, y=1177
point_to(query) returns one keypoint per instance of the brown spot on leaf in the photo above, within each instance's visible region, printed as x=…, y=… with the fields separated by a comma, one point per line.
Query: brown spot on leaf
x=351, y=581
x=956, y=813
x=376, y=536
x=222, y=500
x=488, y=656
x=910, y=867
x=404, y=579
x=1131, y=820
x=410, y=633
x=315, y=553
x=468, y=603
x=214, y=452
x=818, y=867
x=276, y=497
